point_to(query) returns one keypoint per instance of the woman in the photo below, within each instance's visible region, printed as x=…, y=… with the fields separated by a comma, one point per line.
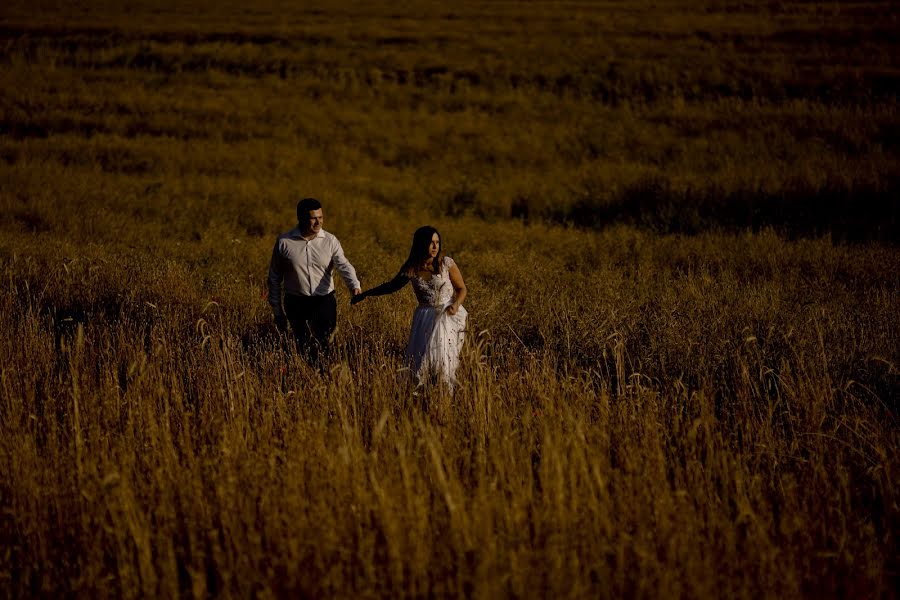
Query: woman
x=439, y=322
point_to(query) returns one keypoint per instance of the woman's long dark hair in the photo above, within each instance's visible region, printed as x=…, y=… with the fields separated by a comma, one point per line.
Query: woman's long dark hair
x=418, y=253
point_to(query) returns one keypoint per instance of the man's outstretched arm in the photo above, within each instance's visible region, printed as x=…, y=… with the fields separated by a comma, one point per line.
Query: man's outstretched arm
x=348, y=273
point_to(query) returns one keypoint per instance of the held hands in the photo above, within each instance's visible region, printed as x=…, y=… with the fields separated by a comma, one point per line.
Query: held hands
x=358, y=296
x=453, y=309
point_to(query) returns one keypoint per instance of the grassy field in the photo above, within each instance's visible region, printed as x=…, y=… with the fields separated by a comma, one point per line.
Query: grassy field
x=678, y=222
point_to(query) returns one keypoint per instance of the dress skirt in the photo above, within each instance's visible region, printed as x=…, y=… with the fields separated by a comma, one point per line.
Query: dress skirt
x=435, y=340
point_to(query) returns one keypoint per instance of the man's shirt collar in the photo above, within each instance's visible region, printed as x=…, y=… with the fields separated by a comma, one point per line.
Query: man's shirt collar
x=296, y=234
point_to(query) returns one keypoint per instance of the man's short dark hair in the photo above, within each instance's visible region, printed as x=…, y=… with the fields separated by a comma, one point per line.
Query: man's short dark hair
x=305, y=206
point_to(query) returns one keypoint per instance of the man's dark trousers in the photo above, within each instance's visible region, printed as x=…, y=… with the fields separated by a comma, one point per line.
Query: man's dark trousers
x=313, y=319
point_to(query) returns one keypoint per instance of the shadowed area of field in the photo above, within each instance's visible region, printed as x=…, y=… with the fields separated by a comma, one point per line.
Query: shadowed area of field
x=579, y=112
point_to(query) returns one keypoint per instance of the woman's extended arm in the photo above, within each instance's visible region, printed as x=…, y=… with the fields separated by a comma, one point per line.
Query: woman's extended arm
x=388, y=287
x=459, y=288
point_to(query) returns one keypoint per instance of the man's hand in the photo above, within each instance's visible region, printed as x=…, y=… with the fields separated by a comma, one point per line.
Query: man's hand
x=281, y=323
x=358, y=297
x=357, y=292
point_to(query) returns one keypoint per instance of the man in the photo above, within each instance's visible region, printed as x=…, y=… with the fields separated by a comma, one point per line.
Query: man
x=302, y=263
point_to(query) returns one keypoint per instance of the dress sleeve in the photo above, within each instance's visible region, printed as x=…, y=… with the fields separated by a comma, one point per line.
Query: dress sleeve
x=448, y=262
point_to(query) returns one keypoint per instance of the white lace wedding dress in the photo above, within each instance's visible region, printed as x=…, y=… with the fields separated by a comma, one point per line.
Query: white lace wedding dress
x=436, y=336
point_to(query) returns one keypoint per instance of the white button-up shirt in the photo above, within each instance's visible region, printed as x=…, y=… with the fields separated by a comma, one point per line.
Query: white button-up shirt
x=304, y=268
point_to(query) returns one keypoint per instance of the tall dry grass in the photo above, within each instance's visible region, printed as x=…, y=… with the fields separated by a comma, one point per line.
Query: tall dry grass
x=643, y=430
x=679, y=378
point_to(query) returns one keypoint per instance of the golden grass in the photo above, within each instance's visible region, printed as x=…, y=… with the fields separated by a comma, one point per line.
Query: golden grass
x=640, y=412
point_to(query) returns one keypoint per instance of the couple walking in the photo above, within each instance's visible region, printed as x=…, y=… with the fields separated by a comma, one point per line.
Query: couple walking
x=301, y=270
